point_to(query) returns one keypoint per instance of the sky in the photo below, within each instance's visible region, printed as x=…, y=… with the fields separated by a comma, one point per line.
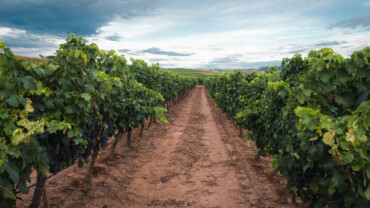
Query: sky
x=199, y=34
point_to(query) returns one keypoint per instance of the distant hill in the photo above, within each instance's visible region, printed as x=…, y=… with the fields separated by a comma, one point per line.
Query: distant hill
x=261, y=68
x=212, y=71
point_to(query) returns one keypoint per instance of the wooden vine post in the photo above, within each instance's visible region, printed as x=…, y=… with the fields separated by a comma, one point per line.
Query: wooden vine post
x=92, y=163
x=129, y=138
x=150, y=122
x=120, y=134
x=40, y=192
x=141, y=130
x=94, y=155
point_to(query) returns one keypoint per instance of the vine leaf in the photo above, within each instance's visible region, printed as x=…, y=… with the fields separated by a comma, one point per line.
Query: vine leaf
x=7, y=193
x=13, y=174
x=367, y=192
x=328, y=138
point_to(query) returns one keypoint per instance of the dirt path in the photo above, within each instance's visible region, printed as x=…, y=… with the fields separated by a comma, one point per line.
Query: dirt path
x=197, y=160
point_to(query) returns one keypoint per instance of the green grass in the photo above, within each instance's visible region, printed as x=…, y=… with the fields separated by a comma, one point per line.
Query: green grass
x=193, y=72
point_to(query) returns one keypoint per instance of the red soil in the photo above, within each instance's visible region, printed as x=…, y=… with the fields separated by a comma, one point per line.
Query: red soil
x=197, y=160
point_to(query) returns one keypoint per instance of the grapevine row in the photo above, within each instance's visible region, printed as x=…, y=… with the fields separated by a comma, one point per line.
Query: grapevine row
x=56, y=112
x=313, y=118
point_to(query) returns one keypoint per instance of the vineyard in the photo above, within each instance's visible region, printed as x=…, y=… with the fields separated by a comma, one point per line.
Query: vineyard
x=62, y=111
x=313, y=118
x=193, y=73
x=309, y=123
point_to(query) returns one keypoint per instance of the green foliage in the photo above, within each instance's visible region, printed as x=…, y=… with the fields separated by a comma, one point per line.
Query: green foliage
x=313, y=117
x=52, y=111
x=167, y=83
x=200, y=74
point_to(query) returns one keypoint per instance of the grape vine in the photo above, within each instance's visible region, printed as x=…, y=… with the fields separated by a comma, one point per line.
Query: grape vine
x=313, y=118
x=56, y=112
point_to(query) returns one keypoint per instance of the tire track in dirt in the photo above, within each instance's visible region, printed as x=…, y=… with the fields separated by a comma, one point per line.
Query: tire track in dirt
x=155, y=171
x=259, y=187
x=195, y=173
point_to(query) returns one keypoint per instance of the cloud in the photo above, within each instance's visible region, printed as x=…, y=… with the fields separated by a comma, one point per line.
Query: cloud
x=230, y=60
x=330, y=43
x=158, y=51
x=124, y=50
x=297, y=51
x=190, y=34
x=301, y=48
x=29, y=44
x=69, y=16
x=366, y=3
x=354, y=22
x=15, y=38
x=157, y=59
x=25, y=41
x=114, y=37
x=234, y=62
